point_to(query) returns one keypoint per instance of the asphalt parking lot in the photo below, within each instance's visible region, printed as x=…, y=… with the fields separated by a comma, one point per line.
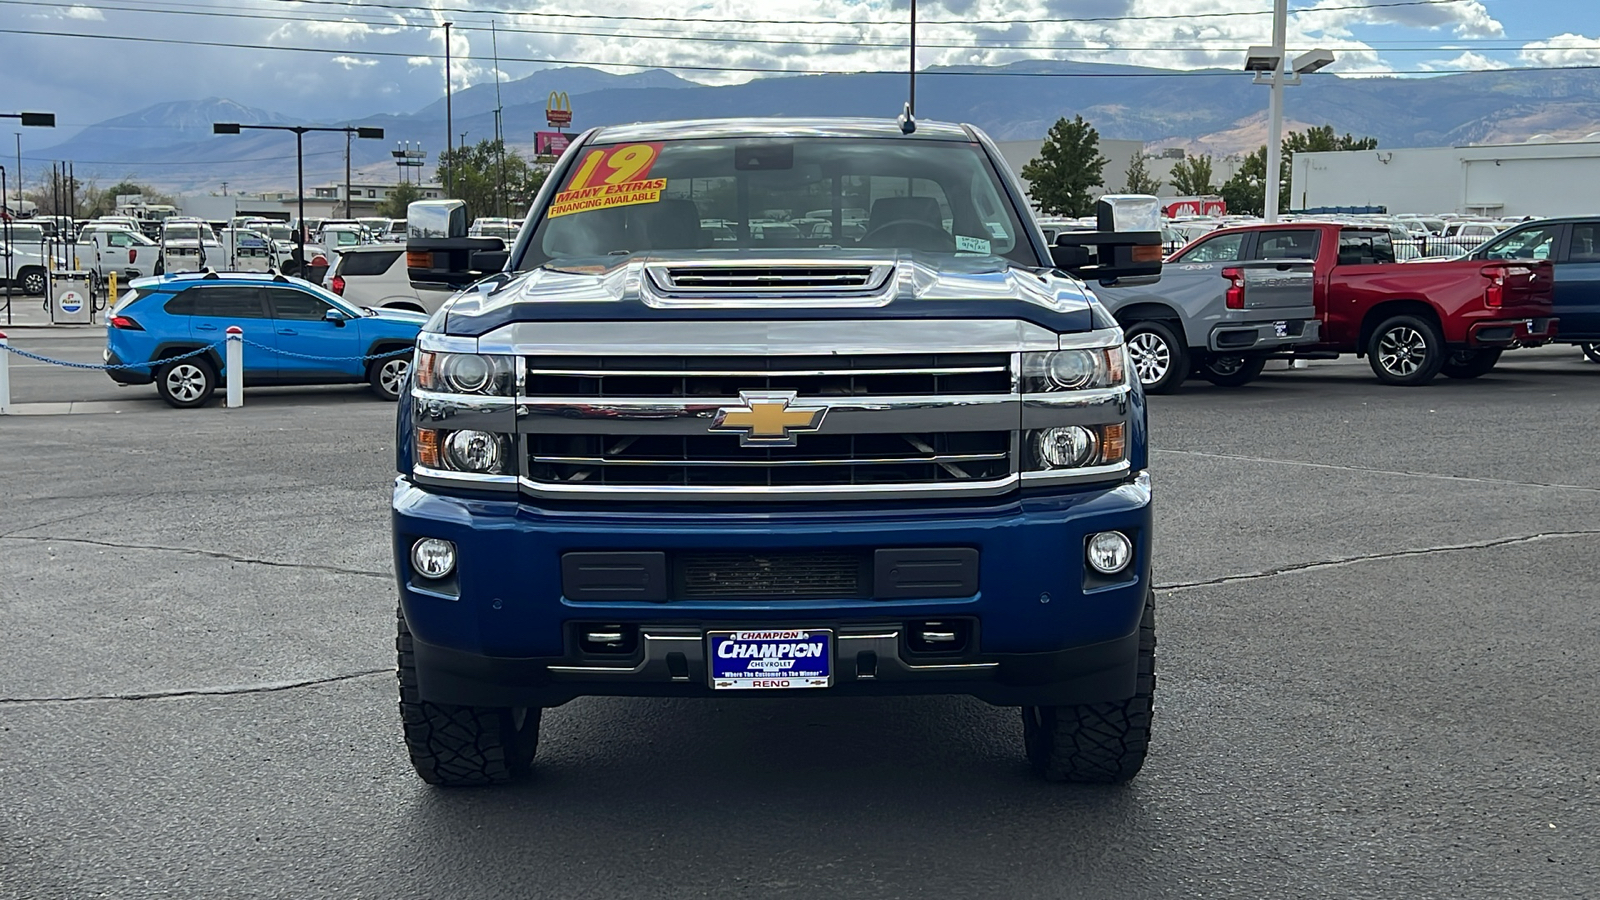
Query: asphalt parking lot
x=1377, y=677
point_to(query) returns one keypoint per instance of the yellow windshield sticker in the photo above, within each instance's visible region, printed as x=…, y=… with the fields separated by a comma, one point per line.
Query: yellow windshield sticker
x=611, y=176
x=606, y=196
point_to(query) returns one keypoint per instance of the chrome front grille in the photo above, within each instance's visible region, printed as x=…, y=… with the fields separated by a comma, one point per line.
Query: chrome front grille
x=718, y=460
x=896, y=375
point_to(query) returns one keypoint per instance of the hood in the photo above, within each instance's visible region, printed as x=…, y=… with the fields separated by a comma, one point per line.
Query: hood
x=402, y=316
x=902, y=284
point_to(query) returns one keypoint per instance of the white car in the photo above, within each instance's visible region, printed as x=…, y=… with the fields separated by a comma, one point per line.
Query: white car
x=375, y=276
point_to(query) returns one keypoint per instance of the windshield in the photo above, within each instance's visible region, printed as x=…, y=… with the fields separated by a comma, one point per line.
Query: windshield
x=189, y=232
x=759, y=195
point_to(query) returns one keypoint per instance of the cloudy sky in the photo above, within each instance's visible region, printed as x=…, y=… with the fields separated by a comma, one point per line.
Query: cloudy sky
x=386, y=55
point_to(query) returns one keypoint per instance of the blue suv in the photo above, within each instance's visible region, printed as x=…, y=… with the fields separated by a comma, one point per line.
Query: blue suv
x=295, y=333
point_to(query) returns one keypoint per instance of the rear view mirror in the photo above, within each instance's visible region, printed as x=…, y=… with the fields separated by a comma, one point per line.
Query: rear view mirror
x=439, y=254
x=334, y=316
x=1124, y=249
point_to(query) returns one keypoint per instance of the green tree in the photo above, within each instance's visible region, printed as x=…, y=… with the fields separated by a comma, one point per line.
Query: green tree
x=1191, y=177
x=1137, y=179
x=1069, y=164
x=493, y=179
x=399, y=197
x=1246, y=191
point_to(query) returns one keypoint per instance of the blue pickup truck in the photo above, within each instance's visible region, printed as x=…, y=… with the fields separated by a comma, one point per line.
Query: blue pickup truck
x=683, y=441
x=1572, y=244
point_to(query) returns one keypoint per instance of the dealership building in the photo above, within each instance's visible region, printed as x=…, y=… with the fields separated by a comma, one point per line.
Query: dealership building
x=1542, y=177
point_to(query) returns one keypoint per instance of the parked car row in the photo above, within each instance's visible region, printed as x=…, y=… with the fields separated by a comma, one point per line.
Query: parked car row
x=1238, y=296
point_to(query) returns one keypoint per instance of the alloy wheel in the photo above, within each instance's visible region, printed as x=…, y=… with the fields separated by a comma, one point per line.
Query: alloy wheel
x=392, y=376
x=1151, y=357
x=186, y=382
x=1402, y=350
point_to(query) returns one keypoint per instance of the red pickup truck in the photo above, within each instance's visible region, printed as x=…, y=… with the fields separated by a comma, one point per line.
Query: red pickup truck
x=1411, y=321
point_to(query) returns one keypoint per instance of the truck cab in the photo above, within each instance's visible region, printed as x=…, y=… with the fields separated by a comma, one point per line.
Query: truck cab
x=641, y=457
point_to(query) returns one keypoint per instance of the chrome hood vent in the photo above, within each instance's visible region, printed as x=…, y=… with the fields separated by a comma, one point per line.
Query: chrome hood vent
x=767, y=277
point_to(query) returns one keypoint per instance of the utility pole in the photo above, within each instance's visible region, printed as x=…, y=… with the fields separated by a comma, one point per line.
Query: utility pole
x=1280, y=29
x=19, y=170
x=348, y=137
x=224, y=189
x=449, y=120
x=499, y=132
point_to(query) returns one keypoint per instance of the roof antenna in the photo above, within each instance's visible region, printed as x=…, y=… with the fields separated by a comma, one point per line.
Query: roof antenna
x=908, y=118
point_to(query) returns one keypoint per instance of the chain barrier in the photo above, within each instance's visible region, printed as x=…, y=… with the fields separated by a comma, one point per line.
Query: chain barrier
x=108, y=368
x=371, y=356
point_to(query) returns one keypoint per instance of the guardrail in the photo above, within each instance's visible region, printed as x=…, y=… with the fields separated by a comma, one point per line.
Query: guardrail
x=233, y=363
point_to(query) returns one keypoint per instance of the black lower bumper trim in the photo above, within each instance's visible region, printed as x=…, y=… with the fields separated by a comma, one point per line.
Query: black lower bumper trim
x=1093, y=673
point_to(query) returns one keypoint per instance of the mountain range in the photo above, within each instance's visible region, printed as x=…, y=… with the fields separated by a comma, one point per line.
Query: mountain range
x=170, y=144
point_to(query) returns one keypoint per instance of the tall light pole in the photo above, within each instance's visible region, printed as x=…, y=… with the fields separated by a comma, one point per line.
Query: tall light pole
x=29, y=120
x=449, y=120
x=299, y=167
x=1272, y=67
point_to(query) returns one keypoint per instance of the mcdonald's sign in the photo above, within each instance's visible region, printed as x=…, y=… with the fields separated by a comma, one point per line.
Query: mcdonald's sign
x=558, y=110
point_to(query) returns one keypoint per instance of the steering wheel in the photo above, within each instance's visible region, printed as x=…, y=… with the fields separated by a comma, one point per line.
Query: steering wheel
x=941, y=238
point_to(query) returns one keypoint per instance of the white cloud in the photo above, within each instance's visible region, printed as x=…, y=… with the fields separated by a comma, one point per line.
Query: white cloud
x=1467, y=61
x=87, y=13
x=351, y=62
x=1563, y=50
x=1468, y=19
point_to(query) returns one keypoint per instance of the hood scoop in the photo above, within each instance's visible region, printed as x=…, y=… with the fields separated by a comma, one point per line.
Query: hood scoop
x=769, y=278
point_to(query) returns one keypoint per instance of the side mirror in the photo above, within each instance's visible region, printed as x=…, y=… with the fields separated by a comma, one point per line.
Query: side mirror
x=1124, y=249
x=334, y=316
x=435, y=219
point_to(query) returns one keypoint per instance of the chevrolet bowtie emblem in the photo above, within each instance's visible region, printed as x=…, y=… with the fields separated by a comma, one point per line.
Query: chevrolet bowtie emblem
x=768, y=419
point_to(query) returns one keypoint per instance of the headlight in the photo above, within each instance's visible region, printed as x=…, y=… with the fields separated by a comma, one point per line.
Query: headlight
x=1073, y=370
x=1078, y=446
x=473, y=451
x=466, y=373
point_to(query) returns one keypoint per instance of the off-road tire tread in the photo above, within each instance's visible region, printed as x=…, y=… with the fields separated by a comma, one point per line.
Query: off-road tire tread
x=1101, y=743
x=455, y=746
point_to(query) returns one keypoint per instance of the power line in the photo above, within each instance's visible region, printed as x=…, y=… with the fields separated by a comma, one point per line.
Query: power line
x=1049, y=21
x=1074, y=44
x=217, y=162
x=341, y=51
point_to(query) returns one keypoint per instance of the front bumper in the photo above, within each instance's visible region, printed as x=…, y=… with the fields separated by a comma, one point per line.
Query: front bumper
x=1042, y=629
x=1245, y=337
x=1512, y=332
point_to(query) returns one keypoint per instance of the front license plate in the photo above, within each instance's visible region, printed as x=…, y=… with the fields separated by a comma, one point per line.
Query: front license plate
x=770, y=660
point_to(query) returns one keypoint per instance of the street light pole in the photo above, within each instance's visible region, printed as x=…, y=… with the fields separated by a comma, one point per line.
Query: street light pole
x=29, y=120
x=300, y=167
x=1280, y=29
x=449, y=120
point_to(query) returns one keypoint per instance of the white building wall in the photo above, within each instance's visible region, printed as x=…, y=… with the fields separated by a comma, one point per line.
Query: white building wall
x=1509, y=180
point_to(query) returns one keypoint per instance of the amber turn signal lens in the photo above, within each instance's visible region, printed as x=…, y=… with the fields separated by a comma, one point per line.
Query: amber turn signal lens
x=1146, y=253
x=428, y=448
x=419, y=259
x=1113, y=445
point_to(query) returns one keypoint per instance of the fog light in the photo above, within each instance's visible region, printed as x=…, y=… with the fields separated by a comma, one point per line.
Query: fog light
x=1066, y=447
x=1110, y=552
x=433, y=558
x=473, y=451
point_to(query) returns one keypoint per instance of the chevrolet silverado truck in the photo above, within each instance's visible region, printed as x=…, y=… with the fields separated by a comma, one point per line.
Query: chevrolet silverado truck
x=642, y=459
x=1411, y=321
x=1222, y=308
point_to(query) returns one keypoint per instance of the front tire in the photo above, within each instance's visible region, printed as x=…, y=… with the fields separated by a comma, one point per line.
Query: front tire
x=458, y=746
x=387, y=376
x=187, y=383
x=1158, y=357
x=1470, y=363
x=1097, y=743
x=1231, y=371
x=1406, y=351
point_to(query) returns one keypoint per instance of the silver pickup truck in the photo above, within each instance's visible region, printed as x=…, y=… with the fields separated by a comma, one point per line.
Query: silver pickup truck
x=1218, y=312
